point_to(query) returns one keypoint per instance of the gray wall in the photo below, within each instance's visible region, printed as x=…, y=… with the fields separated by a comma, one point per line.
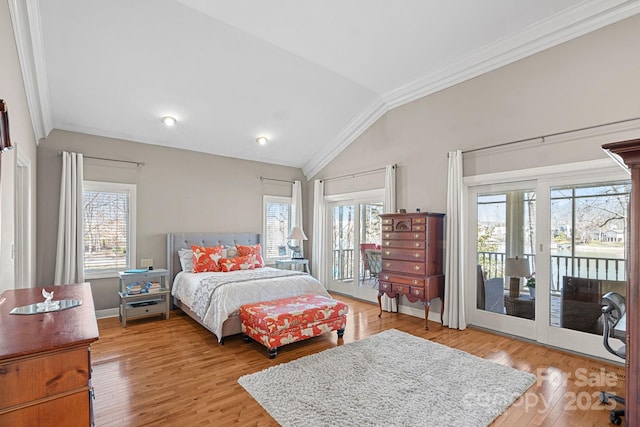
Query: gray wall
x=591, y=80
x=23, y=139
x=177, y=191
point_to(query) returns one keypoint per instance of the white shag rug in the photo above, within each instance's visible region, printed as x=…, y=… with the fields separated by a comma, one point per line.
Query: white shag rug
x=389, y=379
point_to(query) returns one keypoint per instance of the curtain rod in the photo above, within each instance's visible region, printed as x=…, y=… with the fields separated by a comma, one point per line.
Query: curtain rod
x=264, y=178
x=355, y=174
x=109, y=160
x=542, y=137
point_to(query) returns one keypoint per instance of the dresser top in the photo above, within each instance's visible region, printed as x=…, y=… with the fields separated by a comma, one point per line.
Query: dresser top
x=22, y=335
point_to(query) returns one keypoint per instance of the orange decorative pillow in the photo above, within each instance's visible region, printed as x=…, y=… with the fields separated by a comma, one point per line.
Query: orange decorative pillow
x=252, y=250
x=206, y=258
x=237, y=263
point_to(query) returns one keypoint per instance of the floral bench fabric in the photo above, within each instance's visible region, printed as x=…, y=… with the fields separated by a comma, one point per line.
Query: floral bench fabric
x=287, y=320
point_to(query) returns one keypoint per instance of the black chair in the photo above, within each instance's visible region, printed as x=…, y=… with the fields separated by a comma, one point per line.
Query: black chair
x=613, y=309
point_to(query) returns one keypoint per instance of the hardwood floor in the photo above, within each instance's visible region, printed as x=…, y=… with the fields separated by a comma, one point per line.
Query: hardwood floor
x=174, y=372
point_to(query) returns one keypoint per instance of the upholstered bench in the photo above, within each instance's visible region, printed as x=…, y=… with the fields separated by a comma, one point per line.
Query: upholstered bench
x=287, y=320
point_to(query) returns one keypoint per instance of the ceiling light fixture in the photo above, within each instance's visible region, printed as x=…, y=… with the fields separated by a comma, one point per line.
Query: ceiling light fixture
x=262, y=140
x=169, y=121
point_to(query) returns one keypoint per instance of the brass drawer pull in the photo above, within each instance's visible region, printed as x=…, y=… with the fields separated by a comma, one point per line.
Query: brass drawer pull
x=417, y=244
x=417, y=267
x=416, y=255
x=386, y=278
x=417, y=236
x=386, y=236
x=387, y=243
x=387, y=252
x=415, y=282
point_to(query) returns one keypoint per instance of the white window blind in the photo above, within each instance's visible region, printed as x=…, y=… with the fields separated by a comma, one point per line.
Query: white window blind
x=108, y=228
x=276, y=226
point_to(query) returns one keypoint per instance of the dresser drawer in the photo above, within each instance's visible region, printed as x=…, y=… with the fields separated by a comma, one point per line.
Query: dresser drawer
x=401, y=289
x=403, y=254
x=403, y=235
x=143, y=310
x=43, y=376
x=69, y=411
x=416, y=244
x=405, y=280
x=403, y=266
x=384, y=286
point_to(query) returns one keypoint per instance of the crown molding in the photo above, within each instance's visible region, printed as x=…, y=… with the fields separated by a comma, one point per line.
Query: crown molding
x=358, y=125
x=569, y=24
x=27, y=29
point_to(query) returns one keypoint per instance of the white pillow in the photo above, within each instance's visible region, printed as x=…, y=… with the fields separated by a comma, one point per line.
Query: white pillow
x=186, y=260
x=232, y=252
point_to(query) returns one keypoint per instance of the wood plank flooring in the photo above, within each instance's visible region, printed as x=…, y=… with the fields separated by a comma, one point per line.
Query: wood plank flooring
x=174, y=372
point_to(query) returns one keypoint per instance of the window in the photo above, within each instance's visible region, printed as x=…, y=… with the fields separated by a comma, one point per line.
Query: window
x=109, y=212
x=276, y=226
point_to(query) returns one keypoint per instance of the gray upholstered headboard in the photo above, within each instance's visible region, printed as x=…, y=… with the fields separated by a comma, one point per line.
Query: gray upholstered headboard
x=177, y=241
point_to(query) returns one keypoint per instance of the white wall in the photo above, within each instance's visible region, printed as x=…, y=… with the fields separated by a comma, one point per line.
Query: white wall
x=177, y=191
x=588, y=81
x=23, y=139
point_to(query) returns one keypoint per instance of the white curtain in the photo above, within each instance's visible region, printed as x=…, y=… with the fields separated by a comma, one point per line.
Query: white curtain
x=296, y=208
x=389, y=304
x=69, y=252
x=454, y=260
x=318, y=260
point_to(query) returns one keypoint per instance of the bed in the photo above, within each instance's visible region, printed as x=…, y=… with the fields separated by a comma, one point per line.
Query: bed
x=214, y=299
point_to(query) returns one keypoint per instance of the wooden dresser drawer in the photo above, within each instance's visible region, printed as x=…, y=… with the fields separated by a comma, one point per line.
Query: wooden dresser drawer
x=384, y=286
x=403, y=235
x=403, y=254
x=401, y=289
x=69, y=411
x=405, y=280
x=403, y=266
x=416, y=244
x=42, y=376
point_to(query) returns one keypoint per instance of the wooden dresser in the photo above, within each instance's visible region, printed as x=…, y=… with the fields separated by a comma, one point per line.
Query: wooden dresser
x=412, y=258
x=45, y=366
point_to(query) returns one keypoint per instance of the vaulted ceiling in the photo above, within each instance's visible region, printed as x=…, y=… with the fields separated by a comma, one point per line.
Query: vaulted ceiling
x=311, y=76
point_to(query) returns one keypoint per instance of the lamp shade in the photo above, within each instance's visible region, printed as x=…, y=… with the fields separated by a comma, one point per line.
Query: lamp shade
x=516, y=267
x=296, y=234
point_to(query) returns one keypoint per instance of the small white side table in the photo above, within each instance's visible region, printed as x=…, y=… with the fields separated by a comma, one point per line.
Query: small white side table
x=144, y=304
x=288, y=264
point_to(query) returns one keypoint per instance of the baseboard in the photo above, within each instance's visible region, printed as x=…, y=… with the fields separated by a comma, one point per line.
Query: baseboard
x=109, y=312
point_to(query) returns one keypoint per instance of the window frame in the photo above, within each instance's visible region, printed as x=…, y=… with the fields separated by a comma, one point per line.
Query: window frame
x=115, y=187
x=266, y=199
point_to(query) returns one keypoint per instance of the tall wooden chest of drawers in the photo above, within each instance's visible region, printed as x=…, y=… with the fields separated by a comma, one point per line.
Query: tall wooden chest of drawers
x=45, y=365
x=412, y=258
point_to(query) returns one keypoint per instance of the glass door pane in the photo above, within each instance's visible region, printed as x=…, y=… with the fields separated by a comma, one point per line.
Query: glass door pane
x=505, y=253
x=588, y=252
x=342, y=242
x=370, y=239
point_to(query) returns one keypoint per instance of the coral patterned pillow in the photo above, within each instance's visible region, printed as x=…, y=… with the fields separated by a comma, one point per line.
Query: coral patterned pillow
x=237, y=263
x=206, y=258
x=253, y=250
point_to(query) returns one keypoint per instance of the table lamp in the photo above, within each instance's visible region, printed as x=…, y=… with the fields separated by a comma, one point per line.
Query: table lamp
x=296, y=234
x=516, y=268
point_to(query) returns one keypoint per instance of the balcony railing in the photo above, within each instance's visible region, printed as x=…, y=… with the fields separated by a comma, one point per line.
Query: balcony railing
x=342, y=264
x=561, y=265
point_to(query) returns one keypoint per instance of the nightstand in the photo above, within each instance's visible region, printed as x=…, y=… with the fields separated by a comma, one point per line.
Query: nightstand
x=288, y=264
x=143, y=304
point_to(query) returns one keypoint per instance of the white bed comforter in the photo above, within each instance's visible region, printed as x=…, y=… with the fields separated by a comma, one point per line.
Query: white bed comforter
x=216, y=296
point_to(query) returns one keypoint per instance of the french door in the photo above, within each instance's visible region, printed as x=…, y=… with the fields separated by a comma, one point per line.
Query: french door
x=353, y=225
x=542, y=252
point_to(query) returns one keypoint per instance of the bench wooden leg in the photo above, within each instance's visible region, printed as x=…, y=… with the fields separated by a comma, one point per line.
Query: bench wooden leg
x=273, y=352
x=246, y=338
x=340, y=333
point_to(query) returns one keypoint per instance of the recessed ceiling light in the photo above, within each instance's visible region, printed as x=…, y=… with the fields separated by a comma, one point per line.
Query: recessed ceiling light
x=262, y=140
x=169, y=121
